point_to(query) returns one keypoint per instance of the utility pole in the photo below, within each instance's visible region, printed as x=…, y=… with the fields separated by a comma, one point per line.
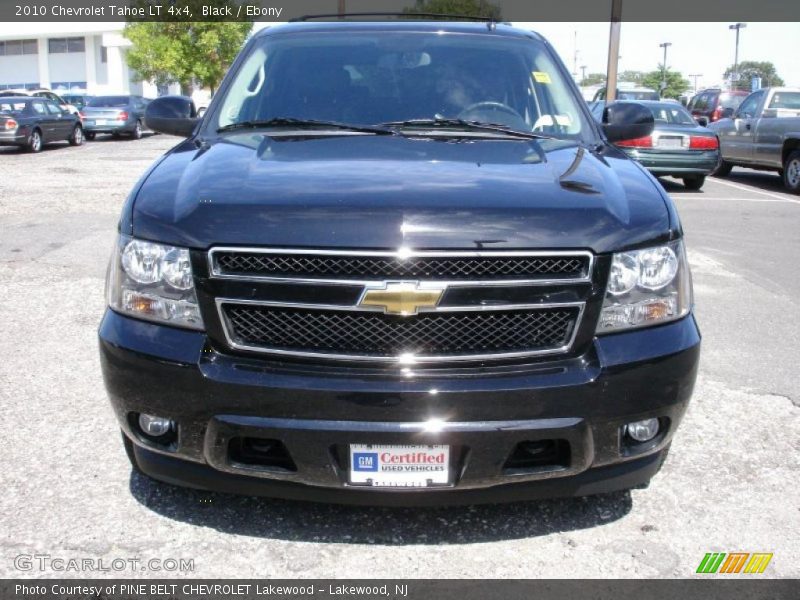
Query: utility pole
x=341, y=8
x=735, y=76
x=575, y=57
x=613, y=50
x=583, y=72
x=695, y=76
x=665, y=45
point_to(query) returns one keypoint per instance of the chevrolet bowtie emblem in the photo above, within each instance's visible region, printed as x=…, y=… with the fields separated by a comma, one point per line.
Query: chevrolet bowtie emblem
x=402, y=297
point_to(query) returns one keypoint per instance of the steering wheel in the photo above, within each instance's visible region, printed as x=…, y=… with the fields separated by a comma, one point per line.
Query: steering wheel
x=490, y=105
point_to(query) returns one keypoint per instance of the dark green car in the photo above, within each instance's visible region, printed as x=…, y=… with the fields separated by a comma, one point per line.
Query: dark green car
x=678, y=146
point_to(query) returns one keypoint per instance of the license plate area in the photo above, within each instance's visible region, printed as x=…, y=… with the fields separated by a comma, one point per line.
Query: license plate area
x=670, y=142
x=100, y=121
x=399, y=466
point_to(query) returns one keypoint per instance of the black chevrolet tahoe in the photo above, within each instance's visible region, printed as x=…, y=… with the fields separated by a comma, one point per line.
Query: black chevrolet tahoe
x=399, y=263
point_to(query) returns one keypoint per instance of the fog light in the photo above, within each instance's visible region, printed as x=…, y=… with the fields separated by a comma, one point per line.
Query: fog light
x=643, y=431
x=154, y=426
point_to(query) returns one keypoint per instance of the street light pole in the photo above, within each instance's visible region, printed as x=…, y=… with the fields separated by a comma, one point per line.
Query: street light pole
x=737, y=27
x=695, y=76
x=613, y=50
x=665, y=45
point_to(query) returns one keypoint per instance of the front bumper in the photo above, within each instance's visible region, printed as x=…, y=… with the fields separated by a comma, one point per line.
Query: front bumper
x=317, y=411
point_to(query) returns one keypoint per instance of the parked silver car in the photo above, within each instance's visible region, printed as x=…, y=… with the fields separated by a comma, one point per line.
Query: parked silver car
x=115, y=115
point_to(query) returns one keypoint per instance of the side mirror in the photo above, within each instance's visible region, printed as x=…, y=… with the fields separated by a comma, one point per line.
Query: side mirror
x=627, y=121
x=702, y=121
x=173, y=115
x=727, y=113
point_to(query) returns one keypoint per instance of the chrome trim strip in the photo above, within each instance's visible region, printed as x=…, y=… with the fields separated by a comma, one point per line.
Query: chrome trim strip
x=402, y=359
x=402, y=254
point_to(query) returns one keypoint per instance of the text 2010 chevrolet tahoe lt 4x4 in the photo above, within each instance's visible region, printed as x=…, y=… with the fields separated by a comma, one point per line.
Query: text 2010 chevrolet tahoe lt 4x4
x=399, y=263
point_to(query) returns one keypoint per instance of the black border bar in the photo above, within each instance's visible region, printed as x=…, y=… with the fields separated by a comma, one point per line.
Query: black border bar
x=286, y=10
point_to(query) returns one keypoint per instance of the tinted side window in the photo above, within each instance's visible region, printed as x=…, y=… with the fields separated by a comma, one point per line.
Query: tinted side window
x=38, y=108
x=53, y=108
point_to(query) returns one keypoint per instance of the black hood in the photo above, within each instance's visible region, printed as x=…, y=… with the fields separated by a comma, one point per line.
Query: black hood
x=386, y=192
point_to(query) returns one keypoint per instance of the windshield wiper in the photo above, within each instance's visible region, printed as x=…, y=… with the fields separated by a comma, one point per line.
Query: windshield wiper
x=309, y=124
x=464, y=125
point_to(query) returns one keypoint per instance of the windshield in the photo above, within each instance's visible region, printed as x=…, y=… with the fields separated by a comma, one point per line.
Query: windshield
x=637, y=95
x=12, y=108
x=673, y=114
x=108, y=102
x=76, y=101
x=731, y=100
x=369, y=78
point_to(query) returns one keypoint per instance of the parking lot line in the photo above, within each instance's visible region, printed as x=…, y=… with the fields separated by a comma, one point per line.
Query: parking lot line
x=731, y=199
x=752, y=191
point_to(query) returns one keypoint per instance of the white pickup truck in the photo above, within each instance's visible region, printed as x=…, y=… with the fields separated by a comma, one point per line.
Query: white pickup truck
x=763, y=133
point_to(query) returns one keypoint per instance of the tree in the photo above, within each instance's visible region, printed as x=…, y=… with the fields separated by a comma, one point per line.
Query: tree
x=468, y=8
x=593, y=79
x=676, y=83
x=186, y=52
x=751, y=68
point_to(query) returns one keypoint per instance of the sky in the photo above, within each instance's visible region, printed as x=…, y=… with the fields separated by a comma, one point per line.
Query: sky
x=702, y=48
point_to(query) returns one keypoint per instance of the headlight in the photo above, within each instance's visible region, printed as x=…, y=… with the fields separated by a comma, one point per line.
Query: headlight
x=646, y=287
x=153, y=282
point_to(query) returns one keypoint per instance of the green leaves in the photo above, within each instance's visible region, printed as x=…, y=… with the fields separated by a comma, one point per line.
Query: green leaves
x=467, y=8
x=186, y=52
x=752, y=68
x=676, y=84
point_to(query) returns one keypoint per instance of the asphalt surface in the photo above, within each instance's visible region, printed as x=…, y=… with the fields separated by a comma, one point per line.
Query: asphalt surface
x=730, y=483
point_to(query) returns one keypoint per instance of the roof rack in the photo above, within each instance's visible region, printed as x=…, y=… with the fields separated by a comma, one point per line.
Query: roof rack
x=442, y=16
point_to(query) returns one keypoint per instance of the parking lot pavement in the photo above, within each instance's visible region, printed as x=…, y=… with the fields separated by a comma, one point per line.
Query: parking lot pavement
x=730, y=483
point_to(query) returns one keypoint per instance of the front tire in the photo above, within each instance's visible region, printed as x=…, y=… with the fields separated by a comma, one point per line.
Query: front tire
x=34, y=142
x=76, y=138
x=791, y=172
x=694, y=183
x=723, y=169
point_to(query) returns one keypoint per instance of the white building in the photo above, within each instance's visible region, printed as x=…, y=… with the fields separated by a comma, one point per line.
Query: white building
x=74, y=57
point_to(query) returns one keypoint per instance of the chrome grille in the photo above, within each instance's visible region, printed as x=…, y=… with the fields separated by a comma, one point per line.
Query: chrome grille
x=374, y=335
x=478, y=266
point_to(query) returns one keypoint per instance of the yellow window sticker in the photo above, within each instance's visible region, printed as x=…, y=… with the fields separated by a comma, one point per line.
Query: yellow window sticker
x=541, y=77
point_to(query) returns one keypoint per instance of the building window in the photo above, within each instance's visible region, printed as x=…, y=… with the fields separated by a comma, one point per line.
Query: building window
x=103, y=54
x=66, y=45
x=68, y=86
x=17, y=47
x=20, y=86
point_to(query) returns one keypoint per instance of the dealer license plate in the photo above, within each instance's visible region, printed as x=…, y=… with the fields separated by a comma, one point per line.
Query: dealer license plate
x=670, y=142
x=399, y=466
